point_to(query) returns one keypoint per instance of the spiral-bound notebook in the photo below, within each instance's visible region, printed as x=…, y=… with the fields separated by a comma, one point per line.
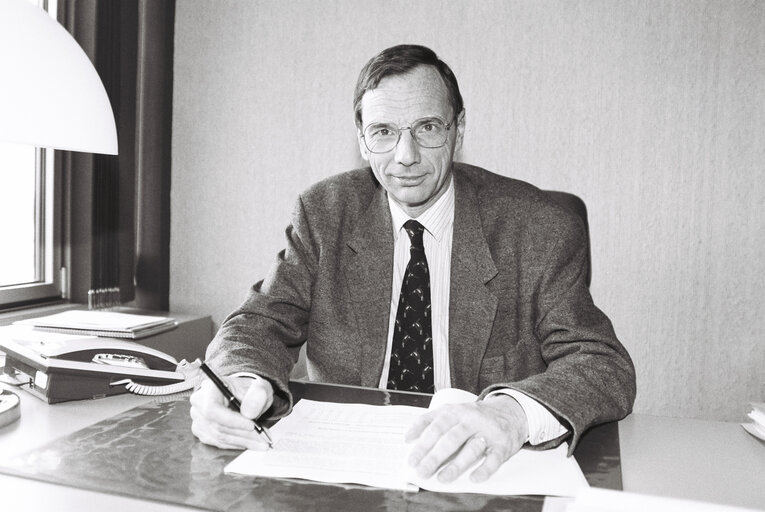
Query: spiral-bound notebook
x=109, y=324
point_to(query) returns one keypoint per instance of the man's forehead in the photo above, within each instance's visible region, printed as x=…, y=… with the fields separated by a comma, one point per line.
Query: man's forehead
x=403, y=98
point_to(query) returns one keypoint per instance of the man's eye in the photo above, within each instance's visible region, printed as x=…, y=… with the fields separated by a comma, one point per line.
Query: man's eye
x=381, y=131
x=429, y=127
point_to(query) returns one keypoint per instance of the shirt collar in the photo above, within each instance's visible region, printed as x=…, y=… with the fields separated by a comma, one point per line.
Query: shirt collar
x=437, y=219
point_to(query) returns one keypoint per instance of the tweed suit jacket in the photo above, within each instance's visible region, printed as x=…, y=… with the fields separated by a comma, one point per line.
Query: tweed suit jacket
x=520, y=314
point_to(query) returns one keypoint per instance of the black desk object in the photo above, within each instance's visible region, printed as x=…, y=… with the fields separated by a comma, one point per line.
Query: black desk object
x=149, y=452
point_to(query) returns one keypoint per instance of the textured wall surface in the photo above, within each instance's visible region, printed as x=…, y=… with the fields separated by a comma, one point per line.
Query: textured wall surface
x=653, y=112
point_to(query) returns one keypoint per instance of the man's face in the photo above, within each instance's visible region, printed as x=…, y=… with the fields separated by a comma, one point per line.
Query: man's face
x=414, y=177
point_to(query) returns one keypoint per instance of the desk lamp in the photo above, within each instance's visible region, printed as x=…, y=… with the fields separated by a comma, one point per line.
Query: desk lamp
x=50, y=93
x=50, y=96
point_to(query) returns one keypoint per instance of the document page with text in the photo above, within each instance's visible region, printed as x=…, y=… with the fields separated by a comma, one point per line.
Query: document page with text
x=340, y=443
x=364, y=444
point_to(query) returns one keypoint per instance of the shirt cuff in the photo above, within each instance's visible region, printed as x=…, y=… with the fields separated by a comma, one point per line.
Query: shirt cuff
x=543, y=426
x=246, y=374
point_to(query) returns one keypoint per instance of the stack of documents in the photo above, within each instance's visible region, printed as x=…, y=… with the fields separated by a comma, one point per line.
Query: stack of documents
x=756, y=426
x=364, y=444
x=101, y=323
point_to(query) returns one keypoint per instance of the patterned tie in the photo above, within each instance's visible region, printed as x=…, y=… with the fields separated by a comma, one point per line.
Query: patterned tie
x=411, y=358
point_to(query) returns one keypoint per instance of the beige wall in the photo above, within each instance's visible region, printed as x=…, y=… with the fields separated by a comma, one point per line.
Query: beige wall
x=653, y=112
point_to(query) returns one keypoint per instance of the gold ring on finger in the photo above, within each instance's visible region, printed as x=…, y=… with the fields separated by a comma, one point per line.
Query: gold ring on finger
x=482, y=440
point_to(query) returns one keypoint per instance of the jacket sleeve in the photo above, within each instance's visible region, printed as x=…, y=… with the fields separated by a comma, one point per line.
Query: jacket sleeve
x=589, y=377
x=264, y=335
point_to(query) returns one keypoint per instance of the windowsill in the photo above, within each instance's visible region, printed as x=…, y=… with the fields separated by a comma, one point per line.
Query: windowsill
x=12, y=315
x=188, y=340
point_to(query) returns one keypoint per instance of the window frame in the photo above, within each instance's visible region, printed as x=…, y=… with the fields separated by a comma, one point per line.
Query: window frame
x=48, y=284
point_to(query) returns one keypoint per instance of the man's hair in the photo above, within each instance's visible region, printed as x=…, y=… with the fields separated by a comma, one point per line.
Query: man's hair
x=398, y=60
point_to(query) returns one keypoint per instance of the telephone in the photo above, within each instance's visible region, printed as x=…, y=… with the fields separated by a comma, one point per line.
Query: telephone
x=62, y=367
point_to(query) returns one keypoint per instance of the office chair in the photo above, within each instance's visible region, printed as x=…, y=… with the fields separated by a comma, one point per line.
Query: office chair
x=576, y=205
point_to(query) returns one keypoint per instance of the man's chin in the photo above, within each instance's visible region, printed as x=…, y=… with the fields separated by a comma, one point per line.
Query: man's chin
x=410, y=198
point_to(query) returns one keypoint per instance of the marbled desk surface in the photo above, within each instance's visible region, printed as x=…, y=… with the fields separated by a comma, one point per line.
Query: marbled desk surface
x=149, y=452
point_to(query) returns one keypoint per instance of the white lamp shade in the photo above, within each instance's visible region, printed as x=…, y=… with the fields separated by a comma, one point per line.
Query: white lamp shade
x=50, y=93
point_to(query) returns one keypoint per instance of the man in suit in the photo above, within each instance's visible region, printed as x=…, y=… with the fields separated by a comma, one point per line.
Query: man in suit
x=420, y=273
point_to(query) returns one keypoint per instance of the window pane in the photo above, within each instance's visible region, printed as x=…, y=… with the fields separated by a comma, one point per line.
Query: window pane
x=18, y=224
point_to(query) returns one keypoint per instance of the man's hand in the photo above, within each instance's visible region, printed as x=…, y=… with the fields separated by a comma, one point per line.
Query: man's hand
x=214, y=423
x=457, y=436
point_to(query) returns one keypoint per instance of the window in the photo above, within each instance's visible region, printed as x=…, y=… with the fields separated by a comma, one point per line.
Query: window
x=93, y=222
x=29, y=256
x=17, y=208
x=29, y=259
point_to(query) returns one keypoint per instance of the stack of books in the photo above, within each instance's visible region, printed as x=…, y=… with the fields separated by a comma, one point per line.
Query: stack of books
x=756, y=426
x=108, y=324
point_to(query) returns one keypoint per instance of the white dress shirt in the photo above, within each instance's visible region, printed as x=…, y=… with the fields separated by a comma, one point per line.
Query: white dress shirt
x=438, y=221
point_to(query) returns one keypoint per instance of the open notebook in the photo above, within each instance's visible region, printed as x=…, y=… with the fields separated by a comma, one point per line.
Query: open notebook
x=364, y=444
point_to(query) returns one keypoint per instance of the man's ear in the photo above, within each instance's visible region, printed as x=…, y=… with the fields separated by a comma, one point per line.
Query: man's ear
x=362, y=147
x=460, y=130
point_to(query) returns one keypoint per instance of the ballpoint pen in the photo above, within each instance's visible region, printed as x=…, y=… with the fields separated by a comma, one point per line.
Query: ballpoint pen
x=233, y=402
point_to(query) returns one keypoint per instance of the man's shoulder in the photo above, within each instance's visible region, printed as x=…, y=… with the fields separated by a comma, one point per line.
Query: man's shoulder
x=336, y=202
x=493, y=189
x=502, y=199
x=343, y=186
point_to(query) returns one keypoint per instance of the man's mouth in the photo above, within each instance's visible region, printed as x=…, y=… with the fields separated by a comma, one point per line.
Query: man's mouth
x=410, y=180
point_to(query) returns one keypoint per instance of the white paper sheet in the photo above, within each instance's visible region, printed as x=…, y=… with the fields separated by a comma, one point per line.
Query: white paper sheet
x=341, y=443
x=364, y=444
x=756, y=427
x=543, y=472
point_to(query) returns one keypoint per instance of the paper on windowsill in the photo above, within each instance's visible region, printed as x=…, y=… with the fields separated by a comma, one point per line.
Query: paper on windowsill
x=364, y=444
x=756, y=426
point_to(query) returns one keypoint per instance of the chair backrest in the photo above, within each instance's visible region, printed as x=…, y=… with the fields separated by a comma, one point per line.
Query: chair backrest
x=576, y=205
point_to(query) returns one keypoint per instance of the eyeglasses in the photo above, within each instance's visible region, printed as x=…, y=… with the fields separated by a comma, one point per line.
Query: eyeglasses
x=428, y=132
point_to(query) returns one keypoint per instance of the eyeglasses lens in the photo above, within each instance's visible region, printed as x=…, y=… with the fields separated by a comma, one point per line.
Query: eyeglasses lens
x=383, y=137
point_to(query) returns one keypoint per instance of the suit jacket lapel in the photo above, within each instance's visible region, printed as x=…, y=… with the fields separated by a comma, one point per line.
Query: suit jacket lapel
x=369, y=271
x=472, y=306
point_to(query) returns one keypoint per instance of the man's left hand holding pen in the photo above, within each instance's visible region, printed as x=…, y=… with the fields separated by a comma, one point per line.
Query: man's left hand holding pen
x=215, y=420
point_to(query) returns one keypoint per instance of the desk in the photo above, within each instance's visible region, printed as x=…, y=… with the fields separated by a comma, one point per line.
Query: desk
x=692, y=459
x=712, y=461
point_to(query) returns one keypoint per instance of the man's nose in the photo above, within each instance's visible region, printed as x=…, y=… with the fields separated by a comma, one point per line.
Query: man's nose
x=407, y=149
